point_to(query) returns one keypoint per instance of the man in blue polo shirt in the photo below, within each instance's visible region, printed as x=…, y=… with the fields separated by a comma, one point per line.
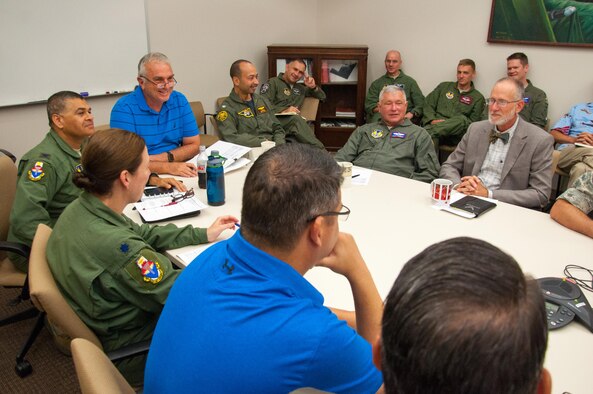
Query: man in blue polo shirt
x=243, y=319
x=161, y=116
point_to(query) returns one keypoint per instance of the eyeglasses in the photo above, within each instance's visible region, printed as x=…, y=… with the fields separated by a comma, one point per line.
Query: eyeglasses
x=501, y=103
x=581, y=275
x=342, y=215
x=161, y=84
x=180, y=197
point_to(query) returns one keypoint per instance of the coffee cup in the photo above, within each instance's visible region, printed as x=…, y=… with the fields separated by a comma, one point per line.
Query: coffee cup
x=267, y=145
x=346, y=172
x=440, y=191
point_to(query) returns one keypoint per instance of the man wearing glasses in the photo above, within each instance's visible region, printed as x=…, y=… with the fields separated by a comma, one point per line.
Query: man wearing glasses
x=161, y=116
x=242, y=318
x=505, y=157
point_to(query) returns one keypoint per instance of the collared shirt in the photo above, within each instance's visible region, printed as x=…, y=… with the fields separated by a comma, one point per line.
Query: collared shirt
x=162, y=131
x=491, y=170
x=239, y=320
x=578, y=120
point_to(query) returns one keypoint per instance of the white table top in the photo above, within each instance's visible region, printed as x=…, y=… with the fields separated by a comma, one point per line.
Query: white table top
x=392, y=220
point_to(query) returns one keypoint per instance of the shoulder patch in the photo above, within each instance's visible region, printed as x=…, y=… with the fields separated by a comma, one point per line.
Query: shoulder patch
x=264, y=88
x=261, y=109
x=145, y=268
x=36, y=172
x=287, y=91
x=377, y=133
x=449, y=95
x=222, y=116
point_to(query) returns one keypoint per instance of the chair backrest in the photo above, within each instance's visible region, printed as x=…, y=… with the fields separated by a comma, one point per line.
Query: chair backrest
x=102, y=127
x=47, y=297
x=96, y=373
x=219, y=102
x=198, y=110
x=8, y=178
x=309, y=108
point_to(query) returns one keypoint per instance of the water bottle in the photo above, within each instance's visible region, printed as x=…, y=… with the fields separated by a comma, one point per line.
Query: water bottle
x=201, y=163
x=215, y=179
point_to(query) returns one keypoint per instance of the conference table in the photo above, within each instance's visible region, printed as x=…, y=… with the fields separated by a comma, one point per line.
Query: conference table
x=393, y=219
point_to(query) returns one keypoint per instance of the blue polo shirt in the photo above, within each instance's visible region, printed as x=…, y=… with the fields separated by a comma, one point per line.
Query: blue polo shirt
x=238, y=320
x=162, y=131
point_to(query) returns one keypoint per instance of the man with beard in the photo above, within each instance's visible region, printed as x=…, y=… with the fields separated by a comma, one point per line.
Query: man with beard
x=287, y=95
x=504, y=158
x=246, y=118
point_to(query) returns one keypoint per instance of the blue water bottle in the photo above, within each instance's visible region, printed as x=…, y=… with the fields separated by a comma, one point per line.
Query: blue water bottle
x=215, y=179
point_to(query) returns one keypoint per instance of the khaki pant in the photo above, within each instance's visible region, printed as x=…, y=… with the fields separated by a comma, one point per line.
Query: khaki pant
x=576, y=160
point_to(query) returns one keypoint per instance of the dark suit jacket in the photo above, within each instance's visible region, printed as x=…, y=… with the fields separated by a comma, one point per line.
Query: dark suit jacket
x=526, y=178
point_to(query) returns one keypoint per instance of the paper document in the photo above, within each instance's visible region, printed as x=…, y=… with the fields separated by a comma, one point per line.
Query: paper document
x=233, y=154
x=285, y=113
x=583, y=145
x=188, y=257
x=361, y=176
x=157, y=209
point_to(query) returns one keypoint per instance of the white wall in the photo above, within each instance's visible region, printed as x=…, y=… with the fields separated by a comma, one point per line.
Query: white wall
x=203, y=38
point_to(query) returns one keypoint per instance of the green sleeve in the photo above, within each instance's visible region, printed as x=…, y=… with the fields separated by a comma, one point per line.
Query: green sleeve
x=318, y=93
x=477, y=112
x=427, y=165
x=539, y=113
x=170, y=236
x=30, y=204
x=372, y=98
x=430, y=105
x=417, y=99
x=349, y=152
x=278, y=131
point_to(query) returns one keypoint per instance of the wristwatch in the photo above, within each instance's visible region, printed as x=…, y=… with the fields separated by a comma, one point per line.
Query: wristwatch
x=170, y=157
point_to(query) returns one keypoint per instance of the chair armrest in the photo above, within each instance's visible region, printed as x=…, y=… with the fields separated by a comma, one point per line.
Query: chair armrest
x=14, y=247
x=128, y=351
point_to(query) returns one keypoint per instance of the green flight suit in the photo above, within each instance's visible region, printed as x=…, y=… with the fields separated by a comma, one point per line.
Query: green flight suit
x=44, y=189
x=414, y=95
x=458, y=109
x=536, y=106
x=240, y=124
x=282, y=96
x=405, y=150
x=111, y=271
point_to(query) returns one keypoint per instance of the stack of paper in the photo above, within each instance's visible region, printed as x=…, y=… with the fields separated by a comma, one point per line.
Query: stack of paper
x=159, y=209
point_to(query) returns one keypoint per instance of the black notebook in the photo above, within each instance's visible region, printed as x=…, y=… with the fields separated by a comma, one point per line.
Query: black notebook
x=473, y=205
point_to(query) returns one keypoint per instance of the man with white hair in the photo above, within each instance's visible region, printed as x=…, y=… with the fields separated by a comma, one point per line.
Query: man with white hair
x=161, y=116
x=504, y=157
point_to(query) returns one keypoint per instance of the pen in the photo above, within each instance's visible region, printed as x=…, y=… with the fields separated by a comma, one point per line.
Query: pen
x=238, y=225
x=354, y=176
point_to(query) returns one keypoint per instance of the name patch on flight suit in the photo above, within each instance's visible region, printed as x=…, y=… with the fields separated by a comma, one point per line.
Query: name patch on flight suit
x=450, y=95
x=397, y=134
x=467, y=100
x=261, y=110
x=36, y=173
x=377, y=133
x=296, y=91
x=246, y=113
x=287, y=91
x=264, y=88
x=222, y=115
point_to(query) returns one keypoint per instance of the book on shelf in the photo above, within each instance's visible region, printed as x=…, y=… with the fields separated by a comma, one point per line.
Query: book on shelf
x=345, y=112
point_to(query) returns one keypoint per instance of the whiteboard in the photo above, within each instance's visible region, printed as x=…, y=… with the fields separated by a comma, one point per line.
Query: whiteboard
x=88, y=46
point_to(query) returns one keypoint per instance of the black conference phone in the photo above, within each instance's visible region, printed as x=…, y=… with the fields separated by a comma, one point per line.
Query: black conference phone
x=564, y=302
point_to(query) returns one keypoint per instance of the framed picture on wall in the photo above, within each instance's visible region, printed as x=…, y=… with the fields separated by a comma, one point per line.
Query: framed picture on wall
x=542, y=22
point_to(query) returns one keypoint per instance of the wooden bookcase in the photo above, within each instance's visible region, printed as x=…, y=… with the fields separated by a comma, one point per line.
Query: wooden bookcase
x=341, y=71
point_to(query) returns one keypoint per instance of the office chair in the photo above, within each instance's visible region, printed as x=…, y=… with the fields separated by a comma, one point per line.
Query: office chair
x=9, y=275
x=96, y=373
x=198, y=110
x=65, y=323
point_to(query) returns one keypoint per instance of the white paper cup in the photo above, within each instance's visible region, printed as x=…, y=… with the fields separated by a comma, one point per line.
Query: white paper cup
x=267, y=145
x=254, y=153
x=440, y=191
x=346, y=172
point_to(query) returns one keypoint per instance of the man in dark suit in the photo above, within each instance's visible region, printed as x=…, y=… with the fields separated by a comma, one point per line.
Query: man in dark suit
x=504, y=158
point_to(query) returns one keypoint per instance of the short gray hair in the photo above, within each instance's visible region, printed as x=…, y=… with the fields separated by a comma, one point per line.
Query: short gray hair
x=519, y=89
x=392, y=89
x=151, y=57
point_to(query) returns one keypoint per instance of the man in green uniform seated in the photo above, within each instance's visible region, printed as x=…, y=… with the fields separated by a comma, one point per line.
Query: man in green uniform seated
x=287, y=96
x=452, y=106
x=535, y=110
x=394, y=76
x=393, y=145
x=44, y=186
x=245, y=117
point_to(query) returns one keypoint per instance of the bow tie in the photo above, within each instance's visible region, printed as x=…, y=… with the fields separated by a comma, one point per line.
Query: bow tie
x=503, y=136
